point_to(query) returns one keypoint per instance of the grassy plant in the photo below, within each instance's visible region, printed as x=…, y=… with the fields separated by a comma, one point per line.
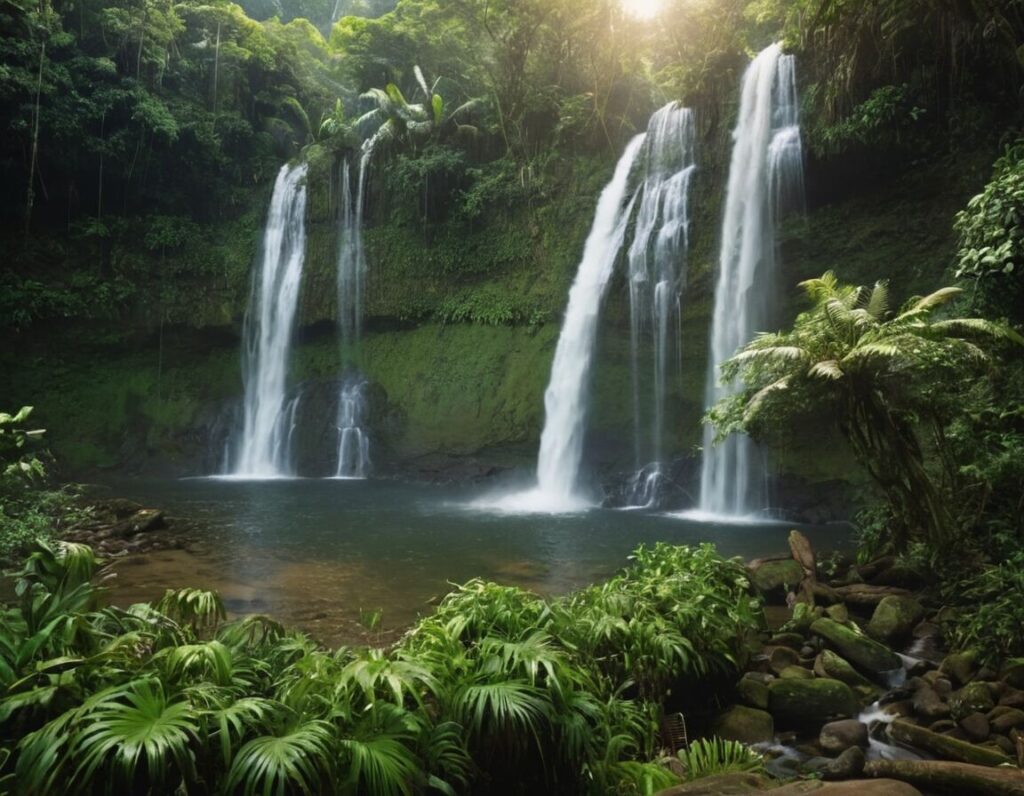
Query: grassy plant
x=707, y=756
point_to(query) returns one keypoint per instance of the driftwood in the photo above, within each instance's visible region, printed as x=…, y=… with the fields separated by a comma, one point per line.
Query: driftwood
x=941, y=776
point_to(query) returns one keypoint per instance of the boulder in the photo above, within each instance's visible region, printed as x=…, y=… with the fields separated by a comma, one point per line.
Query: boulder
x=944, y=746
x=719, y=785
x=1003, y=719
x=796, y=673
x=1013, y=698
x=861, y=651
x=748, y=725
x=1012, y=672
x=775, y=578
x=974, y=697
x=839, y=613
x=928, y=704
x=854, y=787
x=780, y=658
x=960, y=666
x=839, y=735
x=810, y=703
x=753, y=692
x=848, y=765
x=946, y=777
x=975, y=726
x=894, y=619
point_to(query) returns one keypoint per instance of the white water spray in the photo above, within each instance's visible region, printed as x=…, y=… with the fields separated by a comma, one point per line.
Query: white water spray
x=765, y=171
x=353, y=444
x=657, y=276
x=268, y=417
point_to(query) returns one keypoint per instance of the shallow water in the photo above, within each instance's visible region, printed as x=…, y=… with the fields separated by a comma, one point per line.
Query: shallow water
x=319, y=553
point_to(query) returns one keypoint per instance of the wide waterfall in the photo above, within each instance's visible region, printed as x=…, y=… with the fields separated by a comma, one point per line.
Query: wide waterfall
x=766, y=168
x=657, y=276
x=268, y=415
x=353, y=462
x=565, y=399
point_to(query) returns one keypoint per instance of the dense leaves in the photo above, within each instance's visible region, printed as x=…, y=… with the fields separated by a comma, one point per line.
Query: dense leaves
x=498, y=689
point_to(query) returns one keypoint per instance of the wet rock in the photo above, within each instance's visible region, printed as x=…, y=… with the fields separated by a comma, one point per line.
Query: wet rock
x=753, y=692
x=1012, y=698
x=810, y=703
x=942, y=725
x=975, y=726
x=796, y=673
x=928, y=704
x=840, y=613
x=1012, y=672
x=807, y=651
x=1004, y=719
x=780, y=658
x=972, y=698
x=848, y=765
x=859, y=650
x=792, y=640
x=748, y=725
x=960, y=666
x=854, y=787
x=829, y=664
x=1004, y=745
x=839, y=735
x=894, y=619
x=719, y=785
x=775, y=578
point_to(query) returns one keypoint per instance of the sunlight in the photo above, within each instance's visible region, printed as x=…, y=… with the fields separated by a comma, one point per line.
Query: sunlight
x=642, y=9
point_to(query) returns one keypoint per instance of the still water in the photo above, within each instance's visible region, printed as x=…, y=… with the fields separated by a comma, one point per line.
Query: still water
x=325, y=555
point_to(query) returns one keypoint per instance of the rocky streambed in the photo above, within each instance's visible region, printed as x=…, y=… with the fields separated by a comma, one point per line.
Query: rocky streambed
x=854, y=692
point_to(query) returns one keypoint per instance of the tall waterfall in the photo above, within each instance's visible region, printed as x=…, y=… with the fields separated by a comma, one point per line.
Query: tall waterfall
x=565, y=399
x=657, y=276
x=766, y=167
x=353, y=443
x=268, y=415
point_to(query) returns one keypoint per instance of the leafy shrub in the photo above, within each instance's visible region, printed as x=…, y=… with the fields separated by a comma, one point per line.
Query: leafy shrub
x=990, y=610
x=882, y=119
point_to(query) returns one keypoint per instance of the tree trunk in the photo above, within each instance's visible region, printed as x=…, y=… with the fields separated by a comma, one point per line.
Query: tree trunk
x=30, y=198
x=940, y=776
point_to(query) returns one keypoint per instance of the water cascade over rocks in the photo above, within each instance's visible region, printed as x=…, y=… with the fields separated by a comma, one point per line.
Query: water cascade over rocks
x=765, y=173
x=656, y=278
x=353, y=442
x=268, y=421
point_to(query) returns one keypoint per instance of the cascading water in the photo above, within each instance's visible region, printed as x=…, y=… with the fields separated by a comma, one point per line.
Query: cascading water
x=565, y=399
x=353, y=443
x=268, y=416
x=765, y=172
x=657, y=276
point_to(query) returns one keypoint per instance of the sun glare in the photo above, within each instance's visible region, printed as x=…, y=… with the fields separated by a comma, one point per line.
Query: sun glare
x=641, y=9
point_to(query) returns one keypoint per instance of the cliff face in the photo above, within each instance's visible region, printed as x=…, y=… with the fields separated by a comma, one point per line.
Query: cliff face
x=462, y=320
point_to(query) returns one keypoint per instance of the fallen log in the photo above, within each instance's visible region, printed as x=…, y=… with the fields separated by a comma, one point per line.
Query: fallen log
x=961, y=779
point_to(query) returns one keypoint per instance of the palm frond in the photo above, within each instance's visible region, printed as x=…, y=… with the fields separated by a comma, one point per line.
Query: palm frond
x=977, y=327
x=298, y=759
x=878, y=303
x=381, y=766
x=941, y=296
x=827, y=369
x=757, y=399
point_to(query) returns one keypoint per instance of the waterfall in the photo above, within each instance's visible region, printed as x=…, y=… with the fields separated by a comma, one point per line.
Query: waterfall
x=268, y=416
x=765, y=172
x=353, y=444
x=657, y=276
x=565, y=399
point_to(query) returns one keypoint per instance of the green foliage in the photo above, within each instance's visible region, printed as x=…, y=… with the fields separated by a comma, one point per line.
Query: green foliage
x=883, y=119
x=493, y=688
x=991, y=230
x=989, y=610
x=705, y=757
x=881, y=375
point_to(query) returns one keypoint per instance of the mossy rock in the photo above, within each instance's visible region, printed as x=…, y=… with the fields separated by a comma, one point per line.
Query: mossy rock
x=974, y=697
x=894, y=619
x=829, y=664
x=960, y=666
x=796, y=673
x=775, y=578
x=753, y=692
x=810, y=703
x=1012, y=672
x=744, y=724
x=863, y=652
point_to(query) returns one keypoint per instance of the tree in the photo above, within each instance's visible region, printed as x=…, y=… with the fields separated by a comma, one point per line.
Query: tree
x=882, y=376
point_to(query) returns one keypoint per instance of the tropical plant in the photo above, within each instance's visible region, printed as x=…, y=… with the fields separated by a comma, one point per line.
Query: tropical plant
x=707, y=756
x=989, y=610
x=881, y=375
